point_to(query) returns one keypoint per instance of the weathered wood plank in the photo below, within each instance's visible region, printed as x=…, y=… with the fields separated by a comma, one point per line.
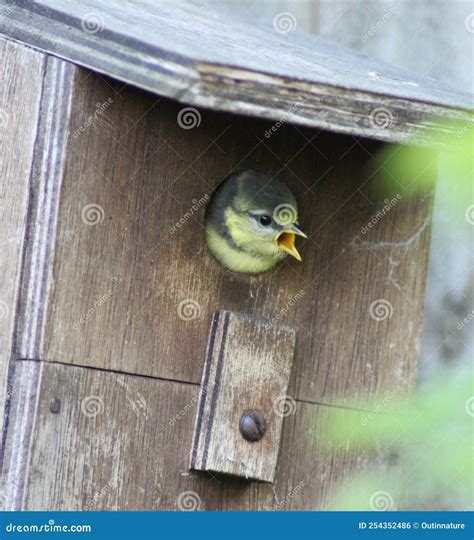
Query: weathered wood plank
x=21, y=76
x=133, y=286
x=45, y=187
x=247, y=368
x=100, y=440
x=16, y=448
x=230, y=60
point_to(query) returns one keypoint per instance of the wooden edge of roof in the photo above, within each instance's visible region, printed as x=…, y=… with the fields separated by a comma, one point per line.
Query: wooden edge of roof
x=240, y=90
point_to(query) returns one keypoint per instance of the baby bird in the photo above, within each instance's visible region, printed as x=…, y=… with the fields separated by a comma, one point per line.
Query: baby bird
x=251, y=222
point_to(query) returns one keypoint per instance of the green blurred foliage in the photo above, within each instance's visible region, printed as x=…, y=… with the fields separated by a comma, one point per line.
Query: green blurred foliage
x=428, y=437
x=426, y=440
x=411, y=169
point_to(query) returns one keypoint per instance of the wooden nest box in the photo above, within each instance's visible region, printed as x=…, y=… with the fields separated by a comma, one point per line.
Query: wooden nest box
x=128, y=356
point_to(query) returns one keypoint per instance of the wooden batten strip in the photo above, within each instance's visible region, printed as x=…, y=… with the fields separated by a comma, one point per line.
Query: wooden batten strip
x=15, y=469
x=248, y=365
x=204, y=385
x=21, y=76
x=216, y=388
x=45, y=186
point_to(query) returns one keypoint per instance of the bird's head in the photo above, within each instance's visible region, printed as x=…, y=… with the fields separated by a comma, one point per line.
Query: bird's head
x=261, y=216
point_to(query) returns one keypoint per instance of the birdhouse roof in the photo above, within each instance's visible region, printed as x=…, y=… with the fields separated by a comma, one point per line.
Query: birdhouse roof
x=207, y=54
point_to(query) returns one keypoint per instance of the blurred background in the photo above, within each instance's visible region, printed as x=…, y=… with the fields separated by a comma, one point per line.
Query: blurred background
x=432, y=38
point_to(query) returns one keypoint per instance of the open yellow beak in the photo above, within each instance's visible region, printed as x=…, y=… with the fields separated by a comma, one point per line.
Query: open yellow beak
x=286, y=240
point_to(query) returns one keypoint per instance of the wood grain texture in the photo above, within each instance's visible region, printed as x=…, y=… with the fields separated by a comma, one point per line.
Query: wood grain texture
x=231, y=60
x=45, y=187
x=102, y=440
x=21, y=76
x=248, y=365
x=133, y=286
x=15, y=465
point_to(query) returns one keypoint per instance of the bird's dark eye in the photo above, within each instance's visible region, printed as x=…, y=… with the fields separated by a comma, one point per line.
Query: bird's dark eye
x=265, y=220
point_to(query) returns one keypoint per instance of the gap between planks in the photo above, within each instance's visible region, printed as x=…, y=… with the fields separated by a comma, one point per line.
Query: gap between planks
x=170, y=380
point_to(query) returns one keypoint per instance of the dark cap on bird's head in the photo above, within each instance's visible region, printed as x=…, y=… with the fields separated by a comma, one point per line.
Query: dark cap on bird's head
x=252, y=222
x=257, y=190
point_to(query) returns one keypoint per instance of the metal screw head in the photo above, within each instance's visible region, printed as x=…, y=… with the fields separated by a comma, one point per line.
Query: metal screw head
x=252, y=425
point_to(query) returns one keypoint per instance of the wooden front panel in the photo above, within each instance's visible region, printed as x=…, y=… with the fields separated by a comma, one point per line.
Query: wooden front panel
x=117, y=278
x=120, y=442
x=134, y=287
